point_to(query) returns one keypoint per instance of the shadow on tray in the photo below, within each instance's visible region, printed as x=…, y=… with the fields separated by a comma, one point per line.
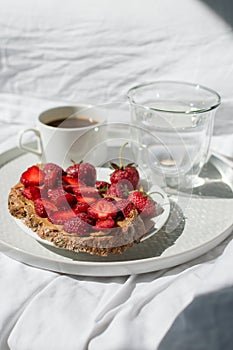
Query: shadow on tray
x=217, y=179
x=151, y=247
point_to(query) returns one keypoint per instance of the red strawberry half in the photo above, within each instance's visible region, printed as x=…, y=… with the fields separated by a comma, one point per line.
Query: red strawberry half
x=102, y=209
x=44, y=207
x=86, y=191
x=53, y=175
x=61, y=198
x=72, y=182
x=33, y=176
x=32, y=193
x=60, y=217
x=104, y=224
x=85, y=172
x=120, y=189
x=68, y=180
x=87, y=200
x=49, y=167
x=80, y=207
x=76, y=226
x=86, y=218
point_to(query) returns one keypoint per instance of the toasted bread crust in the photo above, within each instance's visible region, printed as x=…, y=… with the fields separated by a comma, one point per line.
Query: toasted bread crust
x=103, y=243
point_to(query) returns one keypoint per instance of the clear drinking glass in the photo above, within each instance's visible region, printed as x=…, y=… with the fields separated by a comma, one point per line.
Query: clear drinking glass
x=181, y=116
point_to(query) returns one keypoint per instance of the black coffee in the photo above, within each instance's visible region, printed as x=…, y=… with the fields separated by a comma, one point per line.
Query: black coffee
x=72, y=123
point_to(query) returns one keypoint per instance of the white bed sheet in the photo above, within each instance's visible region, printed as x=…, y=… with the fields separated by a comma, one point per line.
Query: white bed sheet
x=57, y=52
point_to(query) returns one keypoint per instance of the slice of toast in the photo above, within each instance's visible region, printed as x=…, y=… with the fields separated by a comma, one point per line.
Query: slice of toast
x=108, y=241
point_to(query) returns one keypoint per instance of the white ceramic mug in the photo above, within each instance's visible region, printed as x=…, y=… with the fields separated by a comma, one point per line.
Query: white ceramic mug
x=55, y=144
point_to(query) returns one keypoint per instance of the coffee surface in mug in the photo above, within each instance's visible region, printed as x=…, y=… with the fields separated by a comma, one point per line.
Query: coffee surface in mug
x=72, y=122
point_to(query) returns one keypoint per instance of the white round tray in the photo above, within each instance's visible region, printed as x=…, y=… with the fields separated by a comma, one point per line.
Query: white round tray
x=196, y=224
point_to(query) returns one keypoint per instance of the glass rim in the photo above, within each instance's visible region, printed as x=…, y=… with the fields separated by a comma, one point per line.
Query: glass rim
x=175, y=82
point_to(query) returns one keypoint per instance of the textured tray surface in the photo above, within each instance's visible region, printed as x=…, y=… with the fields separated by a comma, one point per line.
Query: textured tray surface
x=195, y=225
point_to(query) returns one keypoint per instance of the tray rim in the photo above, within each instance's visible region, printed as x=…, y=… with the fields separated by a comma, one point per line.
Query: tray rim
x=129, y=266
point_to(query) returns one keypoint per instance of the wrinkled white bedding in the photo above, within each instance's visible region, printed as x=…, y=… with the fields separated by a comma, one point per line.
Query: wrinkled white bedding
x=55, y=52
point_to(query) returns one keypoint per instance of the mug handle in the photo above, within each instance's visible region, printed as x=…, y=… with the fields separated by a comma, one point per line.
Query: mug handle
x=22, y=146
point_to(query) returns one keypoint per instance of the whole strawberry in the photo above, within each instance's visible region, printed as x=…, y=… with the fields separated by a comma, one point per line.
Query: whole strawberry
x=85, y=172
x=124, y=172
x=144, y=204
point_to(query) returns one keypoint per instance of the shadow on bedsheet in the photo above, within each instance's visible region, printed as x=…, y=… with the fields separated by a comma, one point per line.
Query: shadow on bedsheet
x=223, y=8
x=206, y=324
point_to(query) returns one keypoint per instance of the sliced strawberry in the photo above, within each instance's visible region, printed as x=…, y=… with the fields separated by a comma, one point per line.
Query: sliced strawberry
x=120, y=189
x=102, y=209
x=71, y=184
x=104, y=224
x=60, y=217
x=32, y=193
x=68, y=180
x=50, y=179
x=80, y=207
x=87, y=200
x=44, y=207
x=85, y=172
x=53, y=175
x=86, y=191
x=86, y=194
x=43, y=191
x=67, y=200
x=61, y=198
x=86, y=218
x=55, y=193
x=125, y=207
x=33, y=176
x=53, y=167
x=76, y=226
